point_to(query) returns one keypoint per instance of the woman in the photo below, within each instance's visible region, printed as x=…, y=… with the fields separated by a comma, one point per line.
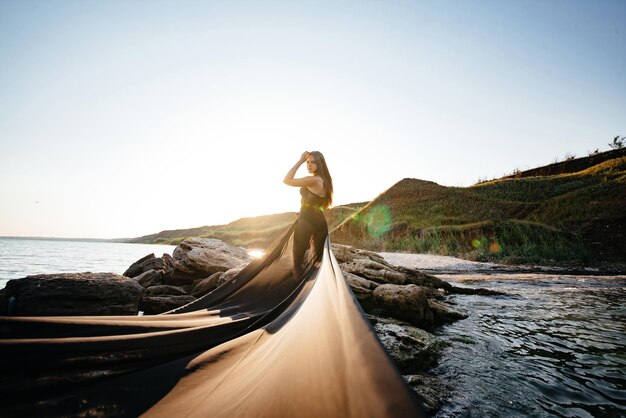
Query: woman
x=317, y=191
x=268, y=343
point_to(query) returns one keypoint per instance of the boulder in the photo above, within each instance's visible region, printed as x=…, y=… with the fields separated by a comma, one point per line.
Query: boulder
x=149, y=262
x=72, y=294
x=407, y=303
x=152, y=305
x=164, y=290
x=149, y=278
x=168, y=262
x=413, y=349
x=374, y=270
x=346, y=254
x=362, y=289
x=229, y=274
x=423, y=279
x=359, y=282
x=432, y=390
x=201, y=257
x=203, y=286
x=476, y=291
x=444, y=313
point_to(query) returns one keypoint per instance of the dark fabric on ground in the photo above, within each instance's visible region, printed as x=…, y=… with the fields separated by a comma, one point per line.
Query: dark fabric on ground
x=268, y=343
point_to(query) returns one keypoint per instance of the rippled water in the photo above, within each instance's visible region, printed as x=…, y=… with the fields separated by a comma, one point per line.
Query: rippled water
x=22, y=257
x=553, y=347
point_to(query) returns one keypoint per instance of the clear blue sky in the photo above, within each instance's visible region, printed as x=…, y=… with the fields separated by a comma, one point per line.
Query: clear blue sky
x=123, y=118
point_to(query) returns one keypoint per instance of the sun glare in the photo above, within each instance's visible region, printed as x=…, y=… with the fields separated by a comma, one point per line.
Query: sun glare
x=256, y=253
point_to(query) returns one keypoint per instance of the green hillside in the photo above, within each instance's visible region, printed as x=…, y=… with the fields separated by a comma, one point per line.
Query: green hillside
x=570, y=218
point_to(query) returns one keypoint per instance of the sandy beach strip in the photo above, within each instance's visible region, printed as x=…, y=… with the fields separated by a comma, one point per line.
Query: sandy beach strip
x=450, y=267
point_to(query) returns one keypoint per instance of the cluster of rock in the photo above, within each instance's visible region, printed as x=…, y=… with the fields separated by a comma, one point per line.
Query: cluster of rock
x=398, y=292
x=196, y=267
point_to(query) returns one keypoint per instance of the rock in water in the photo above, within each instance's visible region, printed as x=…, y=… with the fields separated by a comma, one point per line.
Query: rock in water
x=413, y=349
x=407, y=303
x=444, y=313
x=72, y=294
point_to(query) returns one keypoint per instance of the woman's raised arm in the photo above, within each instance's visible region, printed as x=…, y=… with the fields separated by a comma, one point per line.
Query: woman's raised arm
x=304, y=181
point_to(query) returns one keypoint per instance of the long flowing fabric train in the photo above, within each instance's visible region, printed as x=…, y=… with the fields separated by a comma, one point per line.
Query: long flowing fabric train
x=266, y=344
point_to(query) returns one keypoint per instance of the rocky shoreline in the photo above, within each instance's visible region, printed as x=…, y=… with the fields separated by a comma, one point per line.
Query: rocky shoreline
x=403, y=304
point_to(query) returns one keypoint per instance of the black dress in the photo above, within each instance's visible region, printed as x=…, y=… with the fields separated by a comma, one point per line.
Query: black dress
x=311, y=228
x=270, y=342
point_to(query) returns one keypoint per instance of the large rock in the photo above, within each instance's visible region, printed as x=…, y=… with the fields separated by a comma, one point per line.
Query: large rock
x=413, y=349
x=149, y=262
x=358, y=282
x=164, y=290
x=374, y=270
x=362, y=289
x=346, y=254
x=423, y=279
x=151, y=277
x=151, y=305
x=72, y=294
x=229, y=274
x=407, y=303
x=201, y=257
x=444, y=313
x=203, y=286
x=433, y=391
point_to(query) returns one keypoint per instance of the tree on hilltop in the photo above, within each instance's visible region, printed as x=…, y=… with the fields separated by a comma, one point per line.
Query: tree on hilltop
x=618, y=142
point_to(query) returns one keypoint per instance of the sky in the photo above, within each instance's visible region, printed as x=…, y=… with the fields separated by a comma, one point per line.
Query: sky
x=125, y=118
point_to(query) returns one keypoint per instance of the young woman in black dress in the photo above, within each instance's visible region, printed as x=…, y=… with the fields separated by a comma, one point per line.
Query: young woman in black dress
x=316, y=190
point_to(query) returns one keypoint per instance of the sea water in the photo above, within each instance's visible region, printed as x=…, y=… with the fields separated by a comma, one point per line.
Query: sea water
x=20, y=257
x=553, y=346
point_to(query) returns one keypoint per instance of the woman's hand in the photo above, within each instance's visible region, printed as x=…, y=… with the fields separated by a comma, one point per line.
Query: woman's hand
x=304, y=156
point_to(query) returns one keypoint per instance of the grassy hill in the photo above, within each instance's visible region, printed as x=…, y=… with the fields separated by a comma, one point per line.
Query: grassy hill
x=253, y=232
x=570, y=217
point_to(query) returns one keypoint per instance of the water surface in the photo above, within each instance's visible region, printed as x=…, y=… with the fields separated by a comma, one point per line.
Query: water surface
x=22, y=257
x=555, y=346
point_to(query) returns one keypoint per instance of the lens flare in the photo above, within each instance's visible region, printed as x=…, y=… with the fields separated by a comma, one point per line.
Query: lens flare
x=494, y=247
x=378, y=221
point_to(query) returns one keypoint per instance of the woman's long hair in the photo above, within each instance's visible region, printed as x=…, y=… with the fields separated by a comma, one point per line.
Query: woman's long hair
x=322, y=171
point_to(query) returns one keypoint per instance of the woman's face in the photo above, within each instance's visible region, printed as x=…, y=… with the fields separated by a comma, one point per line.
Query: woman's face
x=311, y=165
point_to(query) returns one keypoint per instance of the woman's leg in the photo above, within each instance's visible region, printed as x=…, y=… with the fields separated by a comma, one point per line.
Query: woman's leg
x=301, y=241
x=317, y=243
